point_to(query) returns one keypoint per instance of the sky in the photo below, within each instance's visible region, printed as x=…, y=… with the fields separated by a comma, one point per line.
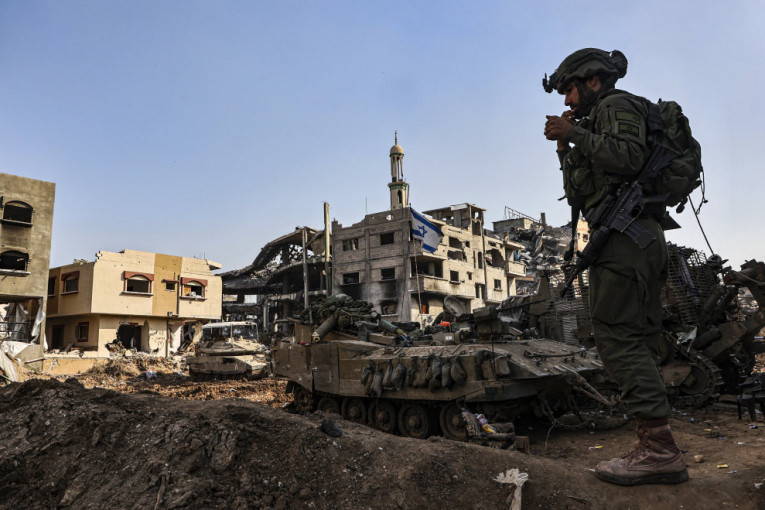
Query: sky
x=209, y=128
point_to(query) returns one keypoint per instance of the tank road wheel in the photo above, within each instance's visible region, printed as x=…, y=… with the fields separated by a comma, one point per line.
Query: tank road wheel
x=383, y=414
x=452, y=424
x=696, y=382
x=303, y=400
x=328, y=405
x=414, y=420
x=355, y=410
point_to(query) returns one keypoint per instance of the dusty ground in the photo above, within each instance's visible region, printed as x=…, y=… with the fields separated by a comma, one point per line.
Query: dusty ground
x=113, y=438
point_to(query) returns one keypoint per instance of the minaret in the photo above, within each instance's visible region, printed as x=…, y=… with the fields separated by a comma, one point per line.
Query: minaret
x=399, y=189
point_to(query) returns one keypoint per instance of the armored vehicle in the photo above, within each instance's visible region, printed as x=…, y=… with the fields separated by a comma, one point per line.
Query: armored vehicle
x=711, y=316
x=417, y=389
x=228, y=349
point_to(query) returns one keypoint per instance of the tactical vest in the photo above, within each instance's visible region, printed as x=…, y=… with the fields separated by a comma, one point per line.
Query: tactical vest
x=584, y=185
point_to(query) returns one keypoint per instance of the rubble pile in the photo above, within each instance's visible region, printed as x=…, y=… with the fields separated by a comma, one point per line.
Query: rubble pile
x=118, y=367
x=12, y=369
x=63, y=445
x=545, y=247
x=166, y=453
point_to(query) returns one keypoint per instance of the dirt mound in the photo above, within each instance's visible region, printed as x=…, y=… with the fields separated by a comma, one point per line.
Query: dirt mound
x=127, y=376
x=63, y=445
x=121, y=367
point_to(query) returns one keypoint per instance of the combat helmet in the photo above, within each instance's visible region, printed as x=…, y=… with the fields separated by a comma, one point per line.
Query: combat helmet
x=585, y=63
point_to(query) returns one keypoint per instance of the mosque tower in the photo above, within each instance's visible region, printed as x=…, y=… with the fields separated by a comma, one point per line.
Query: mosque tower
x=399, y=189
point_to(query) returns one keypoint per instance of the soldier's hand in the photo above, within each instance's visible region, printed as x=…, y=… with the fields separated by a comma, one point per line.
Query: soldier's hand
x=557, y=128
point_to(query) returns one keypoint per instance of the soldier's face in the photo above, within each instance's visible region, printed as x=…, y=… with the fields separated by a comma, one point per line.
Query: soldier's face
x=581, y=95
x=571, y=96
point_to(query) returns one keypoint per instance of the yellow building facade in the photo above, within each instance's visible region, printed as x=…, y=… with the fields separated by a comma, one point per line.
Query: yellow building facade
x=146, y=301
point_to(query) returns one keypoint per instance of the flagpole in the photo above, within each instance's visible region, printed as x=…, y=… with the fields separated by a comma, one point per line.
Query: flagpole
x=417, y=279
x=407, y=297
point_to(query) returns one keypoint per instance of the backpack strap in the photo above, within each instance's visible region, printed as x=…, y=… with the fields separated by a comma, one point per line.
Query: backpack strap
x=654, y=120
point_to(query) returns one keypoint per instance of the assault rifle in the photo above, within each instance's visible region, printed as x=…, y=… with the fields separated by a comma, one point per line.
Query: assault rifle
x=619, y=211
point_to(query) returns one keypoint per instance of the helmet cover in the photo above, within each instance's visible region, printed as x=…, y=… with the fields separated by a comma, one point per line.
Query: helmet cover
x=585, y=63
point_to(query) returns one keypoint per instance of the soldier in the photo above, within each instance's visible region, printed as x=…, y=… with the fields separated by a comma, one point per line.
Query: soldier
x=607, y=128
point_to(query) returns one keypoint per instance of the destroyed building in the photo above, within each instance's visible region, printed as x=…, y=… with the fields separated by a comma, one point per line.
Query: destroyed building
x=273, y=287
x=132, y=299
x=543, y=245
x=26, y=210
x=378, y=261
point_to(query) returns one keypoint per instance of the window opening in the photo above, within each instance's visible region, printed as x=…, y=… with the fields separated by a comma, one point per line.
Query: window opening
x=81, y=333
x=194, y=289
x=350, y=278
x=387, y=238
x=351, y=244
x=138, y=284
x=18, y=211
x=430, y=268
x=14, y=260
x=71, y=284
x=388, y=273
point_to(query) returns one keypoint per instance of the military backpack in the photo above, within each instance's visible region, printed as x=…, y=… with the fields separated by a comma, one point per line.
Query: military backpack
x=668, y=127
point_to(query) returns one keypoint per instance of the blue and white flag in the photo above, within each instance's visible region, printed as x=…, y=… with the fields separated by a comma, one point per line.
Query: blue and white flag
x=425, y=231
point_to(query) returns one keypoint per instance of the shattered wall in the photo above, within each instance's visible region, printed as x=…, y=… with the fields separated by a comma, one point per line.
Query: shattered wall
x=544, y=247
x=26, y=220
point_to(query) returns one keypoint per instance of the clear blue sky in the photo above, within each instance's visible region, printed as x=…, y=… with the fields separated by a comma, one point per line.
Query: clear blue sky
x=208, y=128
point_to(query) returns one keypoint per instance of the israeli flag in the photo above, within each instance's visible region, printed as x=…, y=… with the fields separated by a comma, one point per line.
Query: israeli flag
x=425, y=231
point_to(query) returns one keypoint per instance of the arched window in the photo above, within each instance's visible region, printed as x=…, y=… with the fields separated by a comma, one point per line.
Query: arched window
x=14, y=261
x=17, y=212
x=71, y=282
x=138, y=283
x=193, y=288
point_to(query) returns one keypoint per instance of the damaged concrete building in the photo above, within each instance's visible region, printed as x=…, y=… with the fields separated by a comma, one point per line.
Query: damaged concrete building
x=543, y=245
x=26, y=207
x=146, y=301
x=377, y=260
x=289, y=272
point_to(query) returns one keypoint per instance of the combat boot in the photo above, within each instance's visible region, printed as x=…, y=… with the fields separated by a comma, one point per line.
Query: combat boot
x=655, y=458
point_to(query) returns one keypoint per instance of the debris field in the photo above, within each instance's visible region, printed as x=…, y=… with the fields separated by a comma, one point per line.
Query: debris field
x=114, y=437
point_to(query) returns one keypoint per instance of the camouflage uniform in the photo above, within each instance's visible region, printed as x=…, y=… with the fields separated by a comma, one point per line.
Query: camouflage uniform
x=625, y=281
